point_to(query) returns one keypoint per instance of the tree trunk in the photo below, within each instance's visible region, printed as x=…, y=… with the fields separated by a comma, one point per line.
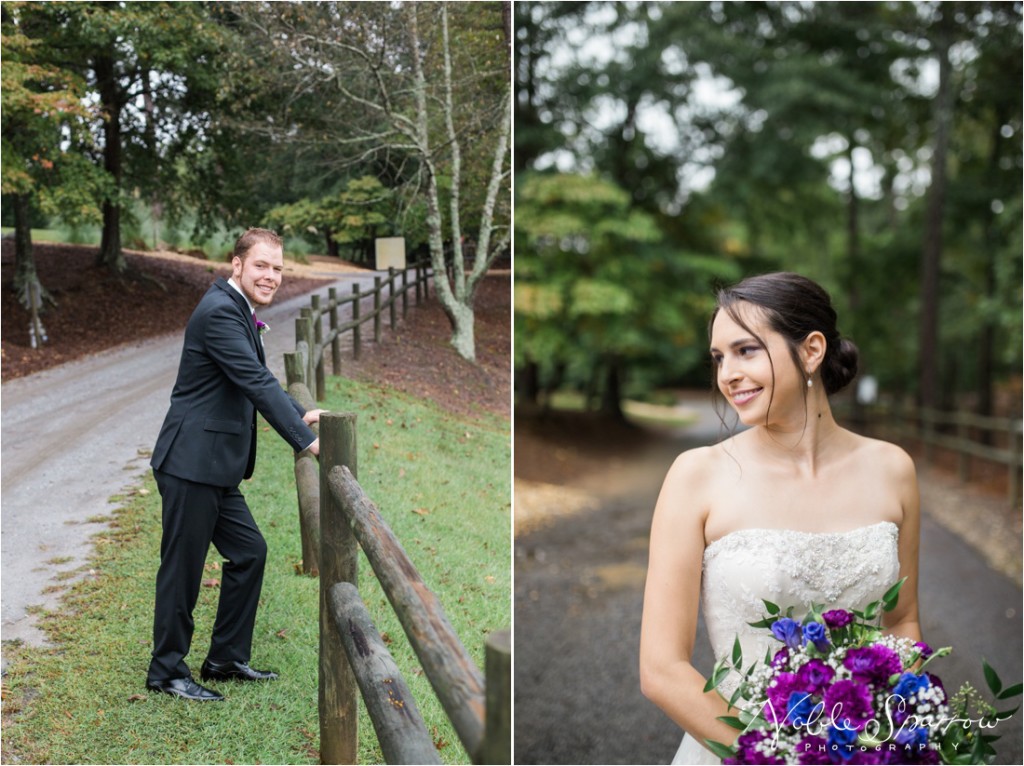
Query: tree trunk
x=929, y=367
x=853, y=235
x=987, y=339
x=24, y=259
x=332, y=246
x=529, y=384
x=110, y=254
x=611, y=396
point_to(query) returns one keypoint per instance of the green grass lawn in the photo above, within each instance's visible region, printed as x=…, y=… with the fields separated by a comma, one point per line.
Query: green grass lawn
x=441, y=482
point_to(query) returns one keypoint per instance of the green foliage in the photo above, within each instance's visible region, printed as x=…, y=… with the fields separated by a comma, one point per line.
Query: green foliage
x=443, y=485
x=596, y=286
x=804, y=92
x=362, y=211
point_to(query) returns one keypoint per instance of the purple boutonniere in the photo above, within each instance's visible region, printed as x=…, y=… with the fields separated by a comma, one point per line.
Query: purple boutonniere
x=262, y=327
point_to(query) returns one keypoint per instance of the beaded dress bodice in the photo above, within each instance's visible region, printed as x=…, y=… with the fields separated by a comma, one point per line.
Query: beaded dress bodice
x=841, y=570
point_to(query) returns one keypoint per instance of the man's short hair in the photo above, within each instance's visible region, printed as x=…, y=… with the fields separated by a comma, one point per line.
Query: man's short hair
x=253, y=237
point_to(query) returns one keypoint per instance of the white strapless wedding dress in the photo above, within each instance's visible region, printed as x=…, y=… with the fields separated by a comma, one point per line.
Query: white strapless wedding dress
x=842, y=570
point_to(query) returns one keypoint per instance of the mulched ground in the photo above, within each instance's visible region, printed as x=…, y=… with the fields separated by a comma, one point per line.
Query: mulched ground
x=418, y=359
x=97, y=311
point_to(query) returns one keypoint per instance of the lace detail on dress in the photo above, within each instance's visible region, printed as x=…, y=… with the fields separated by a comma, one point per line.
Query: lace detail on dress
x=838, y=569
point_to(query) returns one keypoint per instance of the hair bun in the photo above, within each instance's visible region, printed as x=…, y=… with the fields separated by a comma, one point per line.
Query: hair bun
x=840, y=366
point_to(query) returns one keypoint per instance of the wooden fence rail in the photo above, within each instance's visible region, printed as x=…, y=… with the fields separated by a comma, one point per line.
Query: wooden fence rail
x=969, y=436
x=311, y=341
x=336, y=518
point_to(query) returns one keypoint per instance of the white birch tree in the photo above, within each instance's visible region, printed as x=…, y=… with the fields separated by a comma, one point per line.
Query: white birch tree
x=422, y=88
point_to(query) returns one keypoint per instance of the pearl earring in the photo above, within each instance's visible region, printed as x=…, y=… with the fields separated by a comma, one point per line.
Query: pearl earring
x=810, y=383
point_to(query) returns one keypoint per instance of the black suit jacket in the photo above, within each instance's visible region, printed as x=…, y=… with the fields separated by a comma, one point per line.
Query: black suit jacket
x=209, y=434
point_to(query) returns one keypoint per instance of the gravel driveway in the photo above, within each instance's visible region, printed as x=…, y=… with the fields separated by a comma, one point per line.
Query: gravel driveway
x=77, y=434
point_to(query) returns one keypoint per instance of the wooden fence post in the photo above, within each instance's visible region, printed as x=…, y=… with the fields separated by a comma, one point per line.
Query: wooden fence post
x=318, y=337
x=1014, y=446
x=306, y=317
x=376, y=309
x=405, y=293
x=332, y=295
x=294, y=368
x=357, y=325
x=304, y=336
x=392, y=307
x=338, y=563
x=496, y=747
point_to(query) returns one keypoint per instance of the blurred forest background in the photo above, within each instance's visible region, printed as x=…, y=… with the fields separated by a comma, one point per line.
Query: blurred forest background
x=163, y=125
x=664, y=148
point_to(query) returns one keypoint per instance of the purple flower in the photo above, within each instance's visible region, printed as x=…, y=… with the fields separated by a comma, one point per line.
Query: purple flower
x=801, y=709
x=747, y=751
x=815, y=633
x=262, y=327
x=837, y=618
x=926, y=651
x=814, y=676
x=812, y=750
x=781, y=658
x=779, y=691
x=788, y=632
x=873, y=663
x=848, y=703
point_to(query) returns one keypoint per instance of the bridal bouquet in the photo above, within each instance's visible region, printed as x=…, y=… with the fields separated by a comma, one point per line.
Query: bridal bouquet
x=839, y=691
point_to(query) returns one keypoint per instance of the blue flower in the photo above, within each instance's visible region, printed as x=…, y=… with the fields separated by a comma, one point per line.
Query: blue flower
x=788, y=632
x=913, y=738
x=801, y=709
x=842, y=742
x=815, y=633
x=909, y=684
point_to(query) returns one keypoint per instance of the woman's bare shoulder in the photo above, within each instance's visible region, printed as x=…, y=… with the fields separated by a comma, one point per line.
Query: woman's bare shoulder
x=889, y=457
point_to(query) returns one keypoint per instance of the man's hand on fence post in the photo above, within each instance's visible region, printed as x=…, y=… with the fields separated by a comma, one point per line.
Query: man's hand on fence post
x=314, y=448
x=311, y=417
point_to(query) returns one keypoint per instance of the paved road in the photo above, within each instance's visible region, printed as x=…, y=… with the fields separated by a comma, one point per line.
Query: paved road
x=74, y=435
x=578, y=603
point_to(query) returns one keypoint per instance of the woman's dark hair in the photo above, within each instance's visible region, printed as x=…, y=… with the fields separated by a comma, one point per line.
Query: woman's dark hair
x=794, y=307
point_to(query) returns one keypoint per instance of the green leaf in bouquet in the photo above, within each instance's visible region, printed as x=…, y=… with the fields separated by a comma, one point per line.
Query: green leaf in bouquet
x=722, y=751
x=720, y=671
x=892, y=595
x=733, y=721
x=991, y=678
x=771, y=608
x=871, y=611
x=767, y=622
x=1013, y=691
x=736, y=695
x=737, y=653
x=1005, y=714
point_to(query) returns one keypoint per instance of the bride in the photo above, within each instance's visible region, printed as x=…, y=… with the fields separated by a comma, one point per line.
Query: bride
x=796, y=509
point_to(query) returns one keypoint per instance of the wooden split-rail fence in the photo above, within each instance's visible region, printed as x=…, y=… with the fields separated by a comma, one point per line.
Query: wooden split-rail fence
x=970, y=437
x=336, y=518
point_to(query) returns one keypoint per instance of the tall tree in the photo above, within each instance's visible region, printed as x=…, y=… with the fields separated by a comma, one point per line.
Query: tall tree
x=154, y=68
x=44, y=132
x=420, y=90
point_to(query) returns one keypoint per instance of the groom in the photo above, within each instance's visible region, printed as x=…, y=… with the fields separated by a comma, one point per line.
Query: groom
x=206, y=446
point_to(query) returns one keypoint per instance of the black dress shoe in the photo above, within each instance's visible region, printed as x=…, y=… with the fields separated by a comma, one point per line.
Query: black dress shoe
x=185, y=688
x=232, y=669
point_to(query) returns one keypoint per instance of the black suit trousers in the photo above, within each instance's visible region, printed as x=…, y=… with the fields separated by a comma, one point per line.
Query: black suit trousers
x=194, y=515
